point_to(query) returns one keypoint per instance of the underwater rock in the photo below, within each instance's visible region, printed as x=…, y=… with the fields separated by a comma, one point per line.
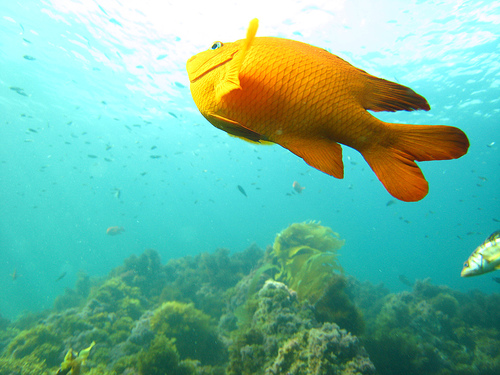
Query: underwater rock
x=205, y=278
x=92, y=308
x=335, y=306
x=162, y=358
x=144, y=272
x=318, y=351
x=68, y=300
x=430, y=331
x=227, y=314
x=80, y=339
x=82, y=284
x=192, y=330
x=6, y=334
x=304, y=257
x=29, y=319
x=241, y=303
x=74, y=297
x=141, y=333
x=39, y=341
x=277, y=316
x=367, y=297
x=115, y=296
x=278, y=312
x=27, y=365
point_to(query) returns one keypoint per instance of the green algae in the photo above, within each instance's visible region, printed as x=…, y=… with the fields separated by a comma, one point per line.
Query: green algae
x=181, y=318
x=27, y=365
x=40, y=342
x=162, y=355
x=428, y=331
x=191, y=330
x=334, y=305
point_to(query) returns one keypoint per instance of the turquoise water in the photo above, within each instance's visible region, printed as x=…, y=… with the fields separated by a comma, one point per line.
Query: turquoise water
x=95, y=100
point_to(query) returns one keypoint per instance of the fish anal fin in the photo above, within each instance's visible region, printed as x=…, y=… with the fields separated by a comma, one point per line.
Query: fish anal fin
x=322, y=154
x=235, y=129
x=232, y=81
x=382, y=95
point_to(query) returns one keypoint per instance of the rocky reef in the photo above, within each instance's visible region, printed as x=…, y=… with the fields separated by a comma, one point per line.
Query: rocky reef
x=287, y=310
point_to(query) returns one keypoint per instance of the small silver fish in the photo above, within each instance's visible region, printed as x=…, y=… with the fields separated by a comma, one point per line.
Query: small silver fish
x=117, y=193
x=485, y=258
x=242, y=191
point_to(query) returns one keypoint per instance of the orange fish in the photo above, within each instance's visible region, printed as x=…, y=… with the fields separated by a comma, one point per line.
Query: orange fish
x=113, y=231
x=308, y=101
x=296, y=186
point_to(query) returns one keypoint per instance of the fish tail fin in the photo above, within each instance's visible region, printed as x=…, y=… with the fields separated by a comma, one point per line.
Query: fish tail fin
x=394, y=163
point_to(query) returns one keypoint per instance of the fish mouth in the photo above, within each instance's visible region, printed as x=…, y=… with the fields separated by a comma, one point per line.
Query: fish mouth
x=199, y=68
x=465, y=273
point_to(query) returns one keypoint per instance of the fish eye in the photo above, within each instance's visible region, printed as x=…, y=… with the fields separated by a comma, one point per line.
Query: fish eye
x=216, y=45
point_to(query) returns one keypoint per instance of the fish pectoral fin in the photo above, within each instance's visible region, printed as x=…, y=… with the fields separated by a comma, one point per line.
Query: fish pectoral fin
x=322, y=154
x=232, y=80
x=226, y=87
x=234, y=128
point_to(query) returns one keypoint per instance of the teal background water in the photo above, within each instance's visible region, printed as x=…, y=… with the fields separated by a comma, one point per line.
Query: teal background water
x=107, y=106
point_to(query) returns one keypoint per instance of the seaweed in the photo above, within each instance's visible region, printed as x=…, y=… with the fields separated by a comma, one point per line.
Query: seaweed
x=334, y=305
x=161, y=358
x=144, y=272
x=205, y=278
x=300, y=315
x=40, y=342
x=305, y=255
x=324, y=350
x=27, y=365
x=426, y=331
x=192, y=330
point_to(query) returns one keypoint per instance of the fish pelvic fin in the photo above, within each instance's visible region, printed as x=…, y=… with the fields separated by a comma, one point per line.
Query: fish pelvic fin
x=382, y=95
x=395, y=166
x=232, y=80
x=235, y=129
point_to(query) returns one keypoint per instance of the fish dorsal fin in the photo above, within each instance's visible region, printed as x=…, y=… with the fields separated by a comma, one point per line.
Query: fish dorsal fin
x=383, y=95
x=494, y=236
x=232, y=80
